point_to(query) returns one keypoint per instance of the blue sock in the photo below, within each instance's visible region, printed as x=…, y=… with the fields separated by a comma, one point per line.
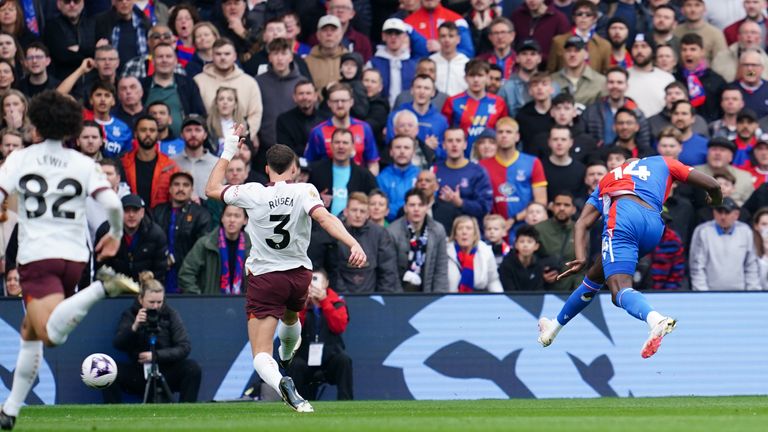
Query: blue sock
x=634, y=303
x=579, y=299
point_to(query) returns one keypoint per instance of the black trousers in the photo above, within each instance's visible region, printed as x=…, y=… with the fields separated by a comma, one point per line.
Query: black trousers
x=182, y=377
x=336, y=370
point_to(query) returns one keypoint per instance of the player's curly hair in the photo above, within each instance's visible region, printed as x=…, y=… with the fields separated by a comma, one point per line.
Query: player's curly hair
x=149, y=284
x=56, y=116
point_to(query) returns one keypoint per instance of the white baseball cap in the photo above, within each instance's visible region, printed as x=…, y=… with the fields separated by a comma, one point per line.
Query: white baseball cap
x=395, y=24
x=329, y=20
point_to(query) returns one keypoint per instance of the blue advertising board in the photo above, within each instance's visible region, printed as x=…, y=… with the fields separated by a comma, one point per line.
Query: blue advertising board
x=455, y=347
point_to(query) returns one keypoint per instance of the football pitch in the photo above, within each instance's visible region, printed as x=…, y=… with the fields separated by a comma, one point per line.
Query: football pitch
x=679, y=414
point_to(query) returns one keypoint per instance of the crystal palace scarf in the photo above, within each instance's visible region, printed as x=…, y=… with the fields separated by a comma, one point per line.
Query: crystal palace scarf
x=696, y=89
x=237, y=280
x=467, y=267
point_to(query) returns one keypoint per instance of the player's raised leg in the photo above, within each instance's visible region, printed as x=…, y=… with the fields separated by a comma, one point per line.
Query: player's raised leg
x=579, y=299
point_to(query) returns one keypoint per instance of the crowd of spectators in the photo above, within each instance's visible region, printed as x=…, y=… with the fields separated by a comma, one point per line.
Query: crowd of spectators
x=458, y=140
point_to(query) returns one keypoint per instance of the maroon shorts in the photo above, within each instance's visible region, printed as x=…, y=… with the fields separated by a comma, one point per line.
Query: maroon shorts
x=269, y=294
x=42, y=278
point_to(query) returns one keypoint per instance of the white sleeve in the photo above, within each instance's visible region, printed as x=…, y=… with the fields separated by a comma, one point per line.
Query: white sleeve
x=111, y=203
x=8, y=174
x=311, y=200
x=243, y=196
x=97, y=181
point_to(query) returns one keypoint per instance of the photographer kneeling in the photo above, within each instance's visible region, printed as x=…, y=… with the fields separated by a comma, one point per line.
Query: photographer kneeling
x=150, y=316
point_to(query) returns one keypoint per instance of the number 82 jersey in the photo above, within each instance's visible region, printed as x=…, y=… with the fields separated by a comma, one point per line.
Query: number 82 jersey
x=649, y=178
x=53, y=183
x=279, y=223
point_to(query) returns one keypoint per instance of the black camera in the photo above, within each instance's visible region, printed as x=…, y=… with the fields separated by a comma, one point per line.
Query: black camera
x=153, y=321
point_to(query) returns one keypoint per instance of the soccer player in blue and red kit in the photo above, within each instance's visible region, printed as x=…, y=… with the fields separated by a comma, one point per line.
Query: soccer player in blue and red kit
x=475, y=109
x=630, y=199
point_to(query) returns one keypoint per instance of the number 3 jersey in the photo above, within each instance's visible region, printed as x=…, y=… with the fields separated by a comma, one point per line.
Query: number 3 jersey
x=649, y=178
x=53, y=183
x=278, y=223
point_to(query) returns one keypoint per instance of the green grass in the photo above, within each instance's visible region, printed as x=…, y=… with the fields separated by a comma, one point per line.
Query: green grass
x=681, y=414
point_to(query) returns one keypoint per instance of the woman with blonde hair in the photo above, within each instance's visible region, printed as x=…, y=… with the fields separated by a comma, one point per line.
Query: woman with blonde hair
x=204, y=34
x=471, y=264
x=223, y=114
x=149, y=317
x=14, y=105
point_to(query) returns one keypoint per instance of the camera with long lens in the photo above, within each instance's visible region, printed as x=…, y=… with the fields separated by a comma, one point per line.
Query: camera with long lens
x=152, y=324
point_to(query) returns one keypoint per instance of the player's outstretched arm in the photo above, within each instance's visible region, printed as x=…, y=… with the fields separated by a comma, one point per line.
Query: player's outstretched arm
x=335, y=228
x=709, y=184
x=109, y=244
x=215, y=185
x=588, y=217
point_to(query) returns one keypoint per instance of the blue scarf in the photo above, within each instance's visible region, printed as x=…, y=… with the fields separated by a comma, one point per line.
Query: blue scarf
x=237, y=280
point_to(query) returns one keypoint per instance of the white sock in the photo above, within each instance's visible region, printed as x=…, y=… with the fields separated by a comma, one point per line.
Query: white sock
x=27, y=364
x=267, y=368
x=289, y=336
x=68, y=314
x=653, y=318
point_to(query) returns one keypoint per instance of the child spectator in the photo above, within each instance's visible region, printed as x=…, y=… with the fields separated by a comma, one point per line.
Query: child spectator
x=522, y=270
x=495, y=231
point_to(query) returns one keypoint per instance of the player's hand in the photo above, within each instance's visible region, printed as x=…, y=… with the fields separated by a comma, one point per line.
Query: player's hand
x=574, y=267
x=357, y=257
x=145, y=357
x=141, y=318
x=232, y=142
x=107, y=247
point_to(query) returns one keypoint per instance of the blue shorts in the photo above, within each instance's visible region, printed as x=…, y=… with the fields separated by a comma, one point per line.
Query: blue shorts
x=637, y=230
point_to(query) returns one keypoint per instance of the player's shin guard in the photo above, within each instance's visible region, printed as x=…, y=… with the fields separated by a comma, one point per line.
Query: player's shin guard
x=578, y=300
x=68, y=314
x=27, y=365
x=266, y=367
x=289, y=336
x=634, y=303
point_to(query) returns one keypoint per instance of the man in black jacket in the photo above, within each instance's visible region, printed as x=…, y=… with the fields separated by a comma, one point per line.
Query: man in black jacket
x=70, y=37
x=327, y=174
x=294, y=125
x=143, y=245
x=125, y=28
x=183, y=221
x=149, y=314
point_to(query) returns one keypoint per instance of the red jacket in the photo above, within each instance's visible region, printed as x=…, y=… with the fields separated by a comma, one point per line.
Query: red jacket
x=161, y=178
x=731, y=32
x=334, y=309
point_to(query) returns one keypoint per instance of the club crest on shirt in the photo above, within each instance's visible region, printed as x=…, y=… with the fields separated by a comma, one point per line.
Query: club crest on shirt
x=464, y=183
x=520, y=175
x=116, y=131
x=492, y=109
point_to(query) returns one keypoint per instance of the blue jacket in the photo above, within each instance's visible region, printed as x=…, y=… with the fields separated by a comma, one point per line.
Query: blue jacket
x=395, y=182
x=407, y=73
x=431, y=123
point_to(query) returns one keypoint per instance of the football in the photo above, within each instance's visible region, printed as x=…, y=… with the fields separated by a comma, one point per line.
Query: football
x=98, y=371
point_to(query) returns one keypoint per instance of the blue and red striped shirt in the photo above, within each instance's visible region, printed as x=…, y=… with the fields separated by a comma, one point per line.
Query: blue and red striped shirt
x=319, y=144
x=474, y=115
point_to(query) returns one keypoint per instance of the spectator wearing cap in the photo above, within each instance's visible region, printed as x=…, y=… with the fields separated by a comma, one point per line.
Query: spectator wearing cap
x=475, y=109
x=147, y=170
x=747, y=133
x=694, y=145
x=618, y=35
x=143, y=246
x=695, y=12
x=722, y=256
x=755, y=12
x=485, y=145
x=393, y=59
x=576, y=76
x=757, y=164
x=195, y=158
x=179, y=92
x=664, y=22
x=220, y=252
x=428, y=20
x=731, y=104
x=324, y=60
x=224, y=72
x=276, y=86
x=704, y=85
x=726, y=62
x=598, y=49
x=294, y=125
x=674, y=92
x=646, y=81
x=560, y=167
x=352, y=40
x=449, y=61
x=564, y=113
x=515, y=89
x=501, y=33
x=183, y=222
x=720, y=153
x=399, y=177
x=541, y=22
x=633, y=13
x=751, y=84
